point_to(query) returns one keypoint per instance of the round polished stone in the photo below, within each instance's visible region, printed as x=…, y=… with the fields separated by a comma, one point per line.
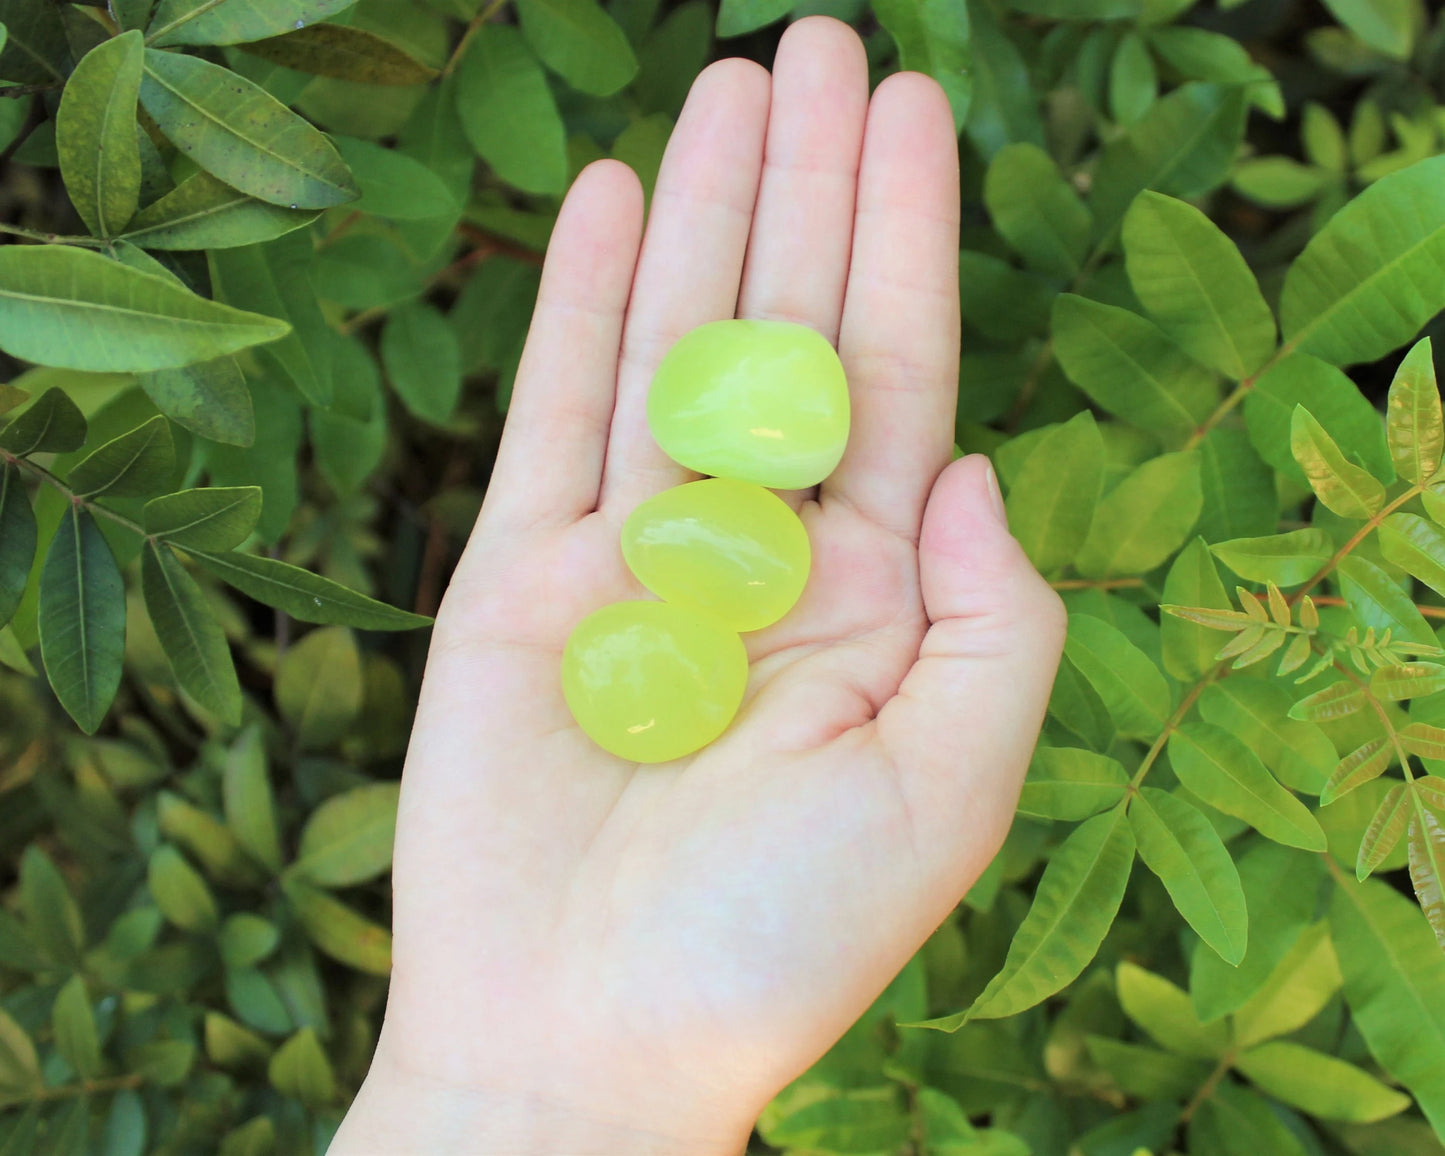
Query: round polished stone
x=650, y=681
x=756, y=401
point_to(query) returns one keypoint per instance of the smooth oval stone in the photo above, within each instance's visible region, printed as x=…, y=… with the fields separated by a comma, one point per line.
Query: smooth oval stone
x=756, y=401
x=729, y=549
x=650, y=681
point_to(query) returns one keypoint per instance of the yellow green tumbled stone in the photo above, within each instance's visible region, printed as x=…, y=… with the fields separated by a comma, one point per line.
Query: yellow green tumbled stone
x=729, y=549
x=650, y=681
x=756, y=401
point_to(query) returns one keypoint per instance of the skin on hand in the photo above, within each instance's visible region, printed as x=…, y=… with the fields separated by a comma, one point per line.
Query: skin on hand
x=592, y=956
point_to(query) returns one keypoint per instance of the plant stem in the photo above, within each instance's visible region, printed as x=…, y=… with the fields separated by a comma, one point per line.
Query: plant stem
x=476, y=22
x=1206, y=1089
x=86, y=1088
x=51, y=238
x=20, y=91
x=1097, y=583
x=1186, y=704
x=46, y=476
x=1331, y=600
x=1359, y=536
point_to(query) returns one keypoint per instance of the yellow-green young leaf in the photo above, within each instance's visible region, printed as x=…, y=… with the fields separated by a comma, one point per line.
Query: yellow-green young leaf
x=246, y=939
x=348, y=838
x=1125, y=678
x=1377, y=600
x=1416, y=546
x=1394, y=977
x=1284, y=559
x=1368, y=761
x=1321, y=1085
x=1424, y=740
x=1256, y=711
x=52, y=425
x=134, y=465
x=300, y=1069
x=1194, y=283
x=249, y=803
x=234, y=21
x=1070, y=784
x=1164, y=1011
x=1221, y=770
x=230, y=1046
x=74, y=309
x=1128, y=366
x=74, y=1025
x=1367, y=281
x=179, y=891
x=19, y=1065
x=81, y=619
x=423, y=361
x=1407, y=680
x=204, y=213
x=1193, y=581
x=1427, y=868
x=256, y=1137
x=319, y=687
x=1413, y=425
x=1143, y=519
x=1335, y=701
x=843, y=1120
x=1295, y=992
x=1384, y=831
x=239, y=132
x=1034, y=209
x=508, y=111
x=343, y=53
x=580, y=42
x=189, y=633
x=218, y=518
x=95, y=134
x=1387, y=26
x=1180, y=846
x=304, y=595
x=18, y=533
x=1343, y=487
x=1073, y=909
x=1055, y=491
x=1431, y=788
x=338, y=931
x=1233, y=1120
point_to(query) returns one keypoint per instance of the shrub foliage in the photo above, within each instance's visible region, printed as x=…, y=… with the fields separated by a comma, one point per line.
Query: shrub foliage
x=269, y=264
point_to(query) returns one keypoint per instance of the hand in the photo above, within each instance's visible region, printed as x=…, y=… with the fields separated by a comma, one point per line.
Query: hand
x=593, y=956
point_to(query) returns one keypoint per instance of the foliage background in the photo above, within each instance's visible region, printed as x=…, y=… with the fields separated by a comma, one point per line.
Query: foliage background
x=195, y=826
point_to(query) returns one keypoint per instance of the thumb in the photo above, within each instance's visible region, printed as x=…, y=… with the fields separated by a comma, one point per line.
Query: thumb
x=967, y=716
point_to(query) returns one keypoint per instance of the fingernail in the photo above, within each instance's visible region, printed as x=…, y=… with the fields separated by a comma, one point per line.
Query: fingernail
x=994, y=496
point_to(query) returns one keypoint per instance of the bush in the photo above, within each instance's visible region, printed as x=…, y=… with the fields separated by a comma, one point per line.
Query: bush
x=271, y=304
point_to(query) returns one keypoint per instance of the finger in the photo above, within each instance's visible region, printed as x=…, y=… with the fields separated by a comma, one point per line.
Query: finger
x=900, y=333
x=965, y=720
x=797, y=259
x=691, y=262
x=549, y=464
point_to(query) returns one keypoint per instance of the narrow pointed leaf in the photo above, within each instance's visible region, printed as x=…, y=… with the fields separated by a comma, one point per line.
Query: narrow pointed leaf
x=1367, y=761
x=1052, y=499
x=1143, y=520
x=1296, y=991
x=1285, y=559
x=1377, y=600
x=1424, y=740
x=203, y=212
x=1035, y=211
x=1416, y=546
x=73, y=1022
x=1164, y=1011
x=95, y=134
x=1071, y=784
x=134, y=465
x=1126, y=679
x=1257, y=712
x=19, y=1065
x=1335, y=701
x=1384, y=831
x=1193, y=596
x=218, y=518
x=189, y=634
x=343, y=53
x=180, y=891
x=338, y=931
x=249, y=801
x=1320, y=1084
x=17, y=540
x=1413, y=425
x=234, y=21
x=1427, y=868
x=1342, y=486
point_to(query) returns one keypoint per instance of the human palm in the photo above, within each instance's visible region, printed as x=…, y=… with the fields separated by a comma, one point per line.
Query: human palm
x=658, y=949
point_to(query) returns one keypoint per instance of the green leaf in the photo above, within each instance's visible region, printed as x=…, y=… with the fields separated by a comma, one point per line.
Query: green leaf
x=1284, y=559
x=1073, y=909
x=348, y=838
x=1384, y=832
x=1387, y=26
x=338, y=931
x=209, y=398
x=1196, y=285
x=738, y=17
x=1235, y=1121
x=1180, y=846
x=234, y=21
x=36, y=50
x=1416, y=546
x=1369, y=279
x=1144, y=519
x=180, y=892
x=217, y=518
x=1278, y=182
x=19, y=1065
x=1376, y=600
x=1129, y=367
x=1319, y=1084
x=208, y=840
x=52, y=425
x=306, y=596
x=204, y=213
x=343, y=53
x=1298, y=753
x=1334, y=701
x=1164, y=1011
x=933, y=38
x=1147, y=1072
x=1343, y=487
x=74, y=309
x=319, y=688
x=300, y=1069
x=237, y=131
x=1407, y=680
x=1035, y=211
x=1070, y=784
x=95, y=134
x=1188, y=648
x=17, y=540
x=423, y=361
x=125, y=1125
x=578, y=40
x=81, y=619
x=246, y=939
x=1295, y=992
x=1394, y=977
x=1413, y=426
x=1126, y=679
x=393, y=185
x=1052, y=498
x=73, y=1022
x=1221, y=770
x=844, y=1120
x=229, y=1045
x=249, y=802
x=1003, y=303
x=134, y=465
x=508, y=111
x=1426, y=841
x=189, y=634
x=1367, y=761
x=1133, y=79
x=1004, y=108
x=50, y=910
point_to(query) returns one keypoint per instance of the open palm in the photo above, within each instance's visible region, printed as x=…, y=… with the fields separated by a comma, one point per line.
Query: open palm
x=660, y=948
